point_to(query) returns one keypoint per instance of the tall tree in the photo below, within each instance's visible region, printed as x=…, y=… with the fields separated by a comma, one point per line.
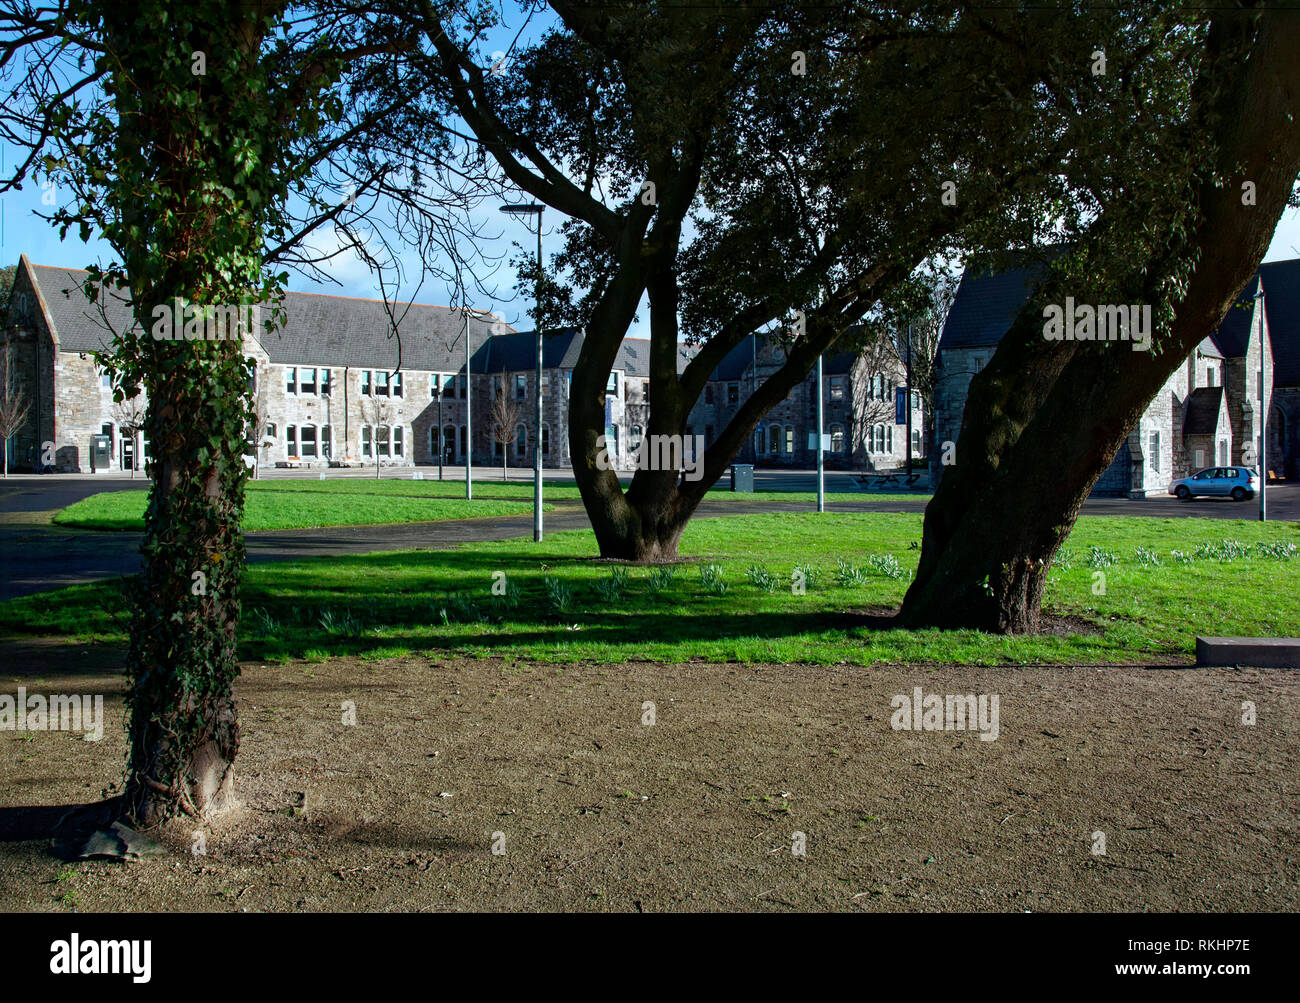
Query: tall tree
x=753, y=168
x=1045, y=418
x=201, y=148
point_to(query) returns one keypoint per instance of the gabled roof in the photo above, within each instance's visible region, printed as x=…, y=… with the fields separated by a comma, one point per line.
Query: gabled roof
x=1282, y=305
x=987, y=301
x=1233, y=335
x=318, y=329
x=1201, y=414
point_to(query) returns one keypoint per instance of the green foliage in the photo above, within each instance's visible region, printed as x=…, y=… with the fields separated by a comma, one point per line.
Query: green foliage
x=559, y=595
x=712, y=580
x=660, y=579
x=848, y=573
x=761, y=578
x=610, y=590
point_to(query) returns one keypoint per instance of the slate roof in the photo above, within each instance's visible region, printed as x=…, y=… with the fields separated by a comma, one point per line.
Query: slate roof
x=1201, y=416
x=988, y=300
x=1282, y=304
x=318, y=329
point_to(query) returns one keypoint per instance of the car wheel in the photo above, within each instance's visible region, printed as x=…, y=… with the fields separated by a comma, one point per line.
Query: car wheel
x=1182, y=493
x=1238, y=494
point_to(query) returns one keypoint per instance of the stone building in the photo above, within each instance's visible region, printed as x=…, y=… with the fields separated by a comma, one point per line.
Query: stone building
x=1209, y=410
x=334, y=385
x=858, y=403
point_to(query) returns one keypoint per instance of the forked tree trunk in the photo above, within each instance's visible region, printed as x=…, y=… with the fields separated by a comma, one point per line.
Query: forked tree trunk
x=1045, y=419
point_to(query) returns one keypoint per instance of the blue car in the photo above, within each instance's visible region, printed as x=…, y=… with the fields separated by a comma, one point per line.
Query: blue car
x=1237, y=483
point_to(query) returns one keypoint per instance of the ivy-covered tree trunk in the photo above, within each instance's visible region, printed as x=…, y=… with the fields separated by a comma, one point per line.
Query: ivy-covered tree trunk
x=1045, y=419
x=189, y=201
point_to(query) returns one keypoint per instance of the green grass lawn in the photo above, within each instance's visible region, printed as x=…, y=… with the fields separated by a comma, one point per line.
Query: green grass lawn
x=354, y=501
x=1213, y=577
x=273, y=506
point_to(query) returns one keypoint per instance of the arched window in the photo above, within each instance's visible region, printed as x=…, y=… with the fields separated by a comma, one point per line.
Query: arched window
x=366, y=435
x=774, y=439
x=397, y=440
x=837, y=438
x=448, y=443
x=634, y=438
x=521, y=441
x=381, y=440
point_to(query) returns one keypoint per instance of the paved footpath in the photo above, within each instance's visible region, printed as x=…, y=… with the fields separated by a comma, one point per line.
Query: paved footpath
x=36, y=556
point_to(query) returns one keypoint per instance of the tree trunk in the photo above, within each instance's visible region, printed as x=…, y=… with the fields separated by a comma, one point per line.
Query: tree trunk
x=1045, y=419
x=183, y=662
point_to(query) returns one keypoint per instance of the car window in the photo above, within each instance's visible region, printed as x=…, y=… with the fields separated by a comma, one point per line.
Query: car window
x=1234, y=473
x=1203, y=475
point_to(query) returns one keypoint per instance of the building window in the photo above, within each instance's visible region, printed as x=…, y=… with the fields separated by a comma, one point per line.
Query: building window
x=397, y=440
x=106, y=381
x=365, y=382
x=789, y=440
x=397, y=384
x=546, y=440
x=611, y=387
x=365, y=440
x=325, y=382
x=307, y=381
x=774, y=439
x=290, y=380
x=270, y=430
x=521, y=441
x=461, y=392
x=1154, y=448
x=708, y=393
x=434, y=379
x=521, y=386
x=611, y=441
x=381, y=383
x=325, y=441
x=308, y=441
x=880, y=439
x=634, y=438
x=837, y=438
x=291, y=440
x=449, y=442
x=837, y=390
x=733, y=394
x=381, y=440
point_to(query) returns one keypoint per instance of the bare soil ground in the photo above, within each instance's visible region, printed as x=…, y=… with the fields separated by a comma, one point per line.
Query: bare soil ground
x=597, y=811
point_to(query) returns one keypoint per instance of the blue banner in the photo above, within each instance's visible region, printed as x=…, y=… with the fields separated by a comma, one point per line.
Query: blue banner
x=900, y=405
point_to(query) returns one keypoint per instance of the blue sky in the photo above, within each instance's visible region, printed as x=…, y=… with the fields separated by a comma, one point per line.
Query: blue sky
x=21, y=231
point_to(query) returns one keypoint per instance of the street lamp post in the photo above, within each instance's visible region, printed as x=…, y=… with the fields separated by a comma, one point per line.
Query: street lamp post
x=1263, y=409
x=534, y=209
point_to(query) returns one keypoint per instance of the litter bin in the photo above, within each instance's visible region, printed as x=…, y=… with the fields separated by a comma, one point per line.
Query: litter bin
x=742, y=477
